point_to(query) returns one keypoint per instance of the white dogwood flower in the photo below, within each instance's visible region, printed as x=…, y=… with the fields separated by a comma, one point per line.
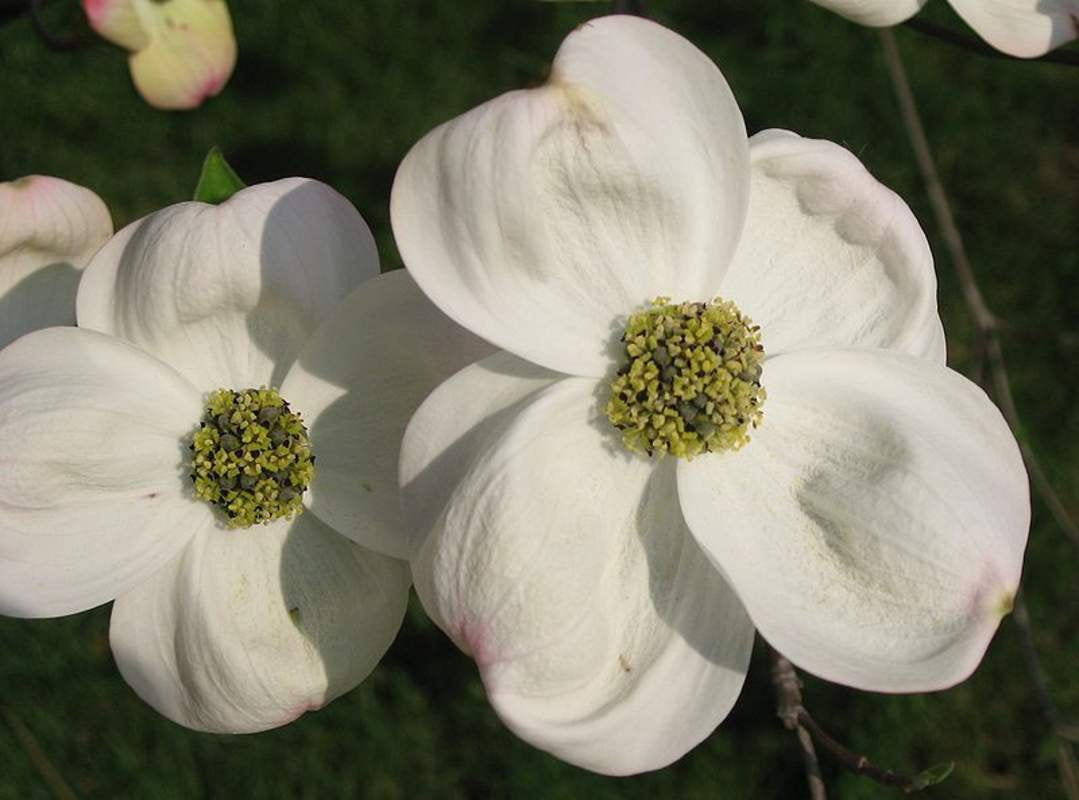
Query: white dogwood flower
x=141, y=446
x=49, y=229
x=1022, y=28
x=182, y=51
x=721, y=405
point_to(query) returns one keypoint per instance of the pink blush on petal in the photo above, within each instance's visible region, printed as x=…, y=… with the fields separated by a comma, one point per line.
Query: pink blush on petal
x=473, y=636
x=95, y=10
x=298, y=711
x=208, y=88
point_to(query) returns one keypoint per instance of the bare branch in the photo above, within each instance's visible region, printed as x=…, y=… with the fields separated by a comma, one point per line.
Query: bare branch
x=855, y=762
x=985, y=322
x=788, y=706
x=795, y=717
x=991, y=354
x=1066, y=763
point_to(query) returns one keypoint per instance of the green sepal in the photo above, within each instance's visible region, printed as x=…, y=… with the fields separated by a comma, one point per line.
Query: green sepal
x=931, y=776
x=218, y=181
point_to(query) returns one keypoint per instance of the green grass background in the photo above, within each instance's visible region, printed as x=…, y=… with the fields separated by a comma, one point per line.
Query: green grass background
x=339, y=90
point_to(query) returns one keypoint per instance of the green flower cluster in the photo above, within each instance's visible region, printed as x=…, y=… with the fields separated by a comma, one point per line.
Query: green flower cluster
x=251, y=457
x=691, y=382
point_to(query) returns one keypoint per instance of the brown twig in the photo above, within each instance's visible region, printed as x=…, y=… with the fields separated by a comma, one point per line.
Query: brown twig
x=986, y=325
x=49, y=773
x=1069, y=775
x=789, y=707
x=990, y=355
x=855, y=762
x=791, y=710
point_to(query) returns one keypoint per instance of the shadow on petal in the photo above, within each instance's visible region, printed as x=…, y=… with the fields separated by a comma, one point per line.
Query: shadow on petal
x=689, y=594
x=50, y=288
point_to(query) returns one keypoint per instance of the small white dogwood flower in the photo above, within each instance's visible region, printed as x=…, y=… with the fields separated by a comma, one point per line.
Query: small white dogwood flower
x=1021, y=28
x=182, y=51
x=49, y=229
x=760, y=317
x=140, y=446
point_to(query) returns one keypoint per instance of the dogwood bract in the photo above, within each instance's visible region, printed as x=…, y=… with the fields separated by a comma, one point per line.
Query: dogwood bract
x=1022, y=28
x=140, y=447
x=182, y=51
x=49, y=229
x=721, y=405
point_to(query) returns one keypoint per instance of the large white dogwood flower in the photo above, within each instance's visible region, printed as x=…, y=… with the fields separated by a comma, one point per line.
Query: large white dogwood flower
x=49, y=229
x=182, y=51
x=139, y=446
x=1022, y=28
x=839, y=489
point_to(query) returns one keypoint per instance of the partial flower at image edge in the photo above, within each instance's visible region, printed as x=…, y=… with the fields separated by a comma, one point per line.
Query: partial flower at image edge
x=49, y=230
x=1020, y=28
x=181, y=51
x=218, y=626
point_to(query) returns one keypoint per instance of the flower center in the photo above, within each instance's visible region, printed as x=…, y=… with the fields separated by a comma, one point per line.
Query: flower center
x=251, y=457
x=691, y=383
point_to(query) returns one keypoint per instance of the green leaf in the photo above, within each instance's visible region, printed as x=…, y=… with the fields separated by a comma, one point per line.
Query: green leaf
x=931, y=776
x=218, y=181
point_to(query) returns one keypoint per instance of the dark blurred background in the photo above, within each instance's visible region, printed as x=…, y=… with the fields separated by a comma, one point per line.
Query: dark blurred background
x=339, y=90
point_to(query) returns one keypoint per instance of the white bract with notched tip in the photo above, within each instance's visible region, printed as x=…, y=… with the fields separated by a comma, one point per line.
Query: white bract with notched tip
x=721, y=405
x=219, y=626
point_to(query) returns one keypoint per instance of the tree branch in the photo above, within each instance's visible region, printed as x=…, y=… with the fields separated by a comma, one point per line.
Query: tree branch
x=855, y=762
x=991, y=355
x=1069, y=775
x=795, y=717
x=986, y=324
x=788, y=706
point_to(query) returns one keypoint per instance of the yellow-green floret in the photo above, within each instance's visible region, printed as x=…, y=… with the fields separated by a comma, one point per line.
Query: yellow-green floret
x=251, y=457
x=691, y=383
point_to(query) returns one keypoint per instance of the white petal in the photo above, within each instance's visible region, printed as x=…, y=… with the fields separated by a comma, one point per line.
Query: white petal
x=229, y=294
x=359, y=379
x=248, y=629
x=875, y=525
x=49, y=228
x=829, y=256
x=118, y=21
x=540, y=218
x=190, y=53
x=878, y=13
x=563, y=566
x=1023, y=28
x=93, y=489
x=452, y=424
